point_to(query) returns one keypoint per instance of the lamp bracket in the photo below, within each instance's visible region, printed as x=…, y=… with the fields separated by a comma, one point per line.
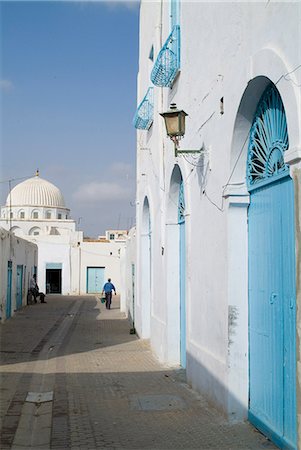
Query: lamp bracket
x=185, y=152
x=175, y=140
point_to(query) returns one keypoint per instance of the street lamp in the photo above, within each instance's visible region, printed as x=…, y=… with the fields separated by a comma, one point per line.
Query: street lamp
x=175, y=127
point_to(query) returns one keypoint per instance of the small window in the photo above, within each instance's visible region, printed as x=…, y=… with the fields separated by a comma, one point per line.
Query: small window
x=22, y=215
x=48, y=215
x=11, y=215
x=112, y=236
x=34, y=231
x=35, y=215
x=66, y=216
x=151, y=53
x=59, y=216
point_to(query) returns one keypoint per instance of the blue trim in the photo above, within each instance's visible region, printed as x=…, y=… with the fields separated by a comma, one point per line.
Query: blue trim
x=95, y=279
x=268, y=139
x=9, y=289
x=54, y=266
x=19, y=292
x=168, y=61
x=281, y=442
x=181, y=204
x=144, y=115
x=269, y=180
x=174, y=13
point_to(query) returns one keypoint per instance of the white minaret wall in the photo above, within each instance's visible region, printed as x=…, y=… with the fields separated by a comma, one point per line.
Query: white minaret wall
x=229, y=51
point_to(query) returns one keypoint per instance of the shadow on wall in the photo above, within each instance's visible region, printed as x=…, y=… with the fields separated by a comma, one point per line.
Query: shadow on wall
x=215, y=391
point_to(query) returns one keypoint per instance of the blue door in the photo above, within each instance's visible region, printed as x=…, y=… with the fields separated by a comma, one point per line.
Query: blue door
x=95, y=279
x=19, y=294
x=272, y=272
x=9, y=289
x=182, y=274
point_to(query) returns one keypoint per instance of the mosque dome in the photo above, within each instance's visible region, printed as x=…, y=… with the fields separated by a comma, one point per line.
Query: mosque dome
x=36, y=192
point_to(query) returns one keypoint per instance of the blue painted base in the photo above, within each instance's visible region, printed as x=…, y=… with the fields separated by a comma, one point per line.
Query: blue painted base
x=280, y=441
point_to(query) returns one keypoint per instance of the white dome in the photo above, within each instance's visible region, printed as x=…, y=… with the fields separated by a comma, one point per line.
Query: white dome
x=36, y=192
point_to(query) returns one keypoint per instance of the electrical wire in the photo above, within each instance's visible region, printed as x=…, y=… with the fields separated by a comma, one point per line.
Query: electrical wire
x=221, y=208
x=15, y=179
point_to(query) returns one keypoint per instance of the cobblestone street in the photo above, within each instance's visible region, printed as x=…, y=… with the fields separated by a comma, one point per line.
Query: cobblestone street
x=108, y=389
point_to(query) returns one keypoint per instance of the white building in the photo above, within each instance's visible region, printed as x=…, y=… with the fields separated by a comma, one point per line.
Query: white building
x=128, y=270
x=18, y=262
x=68, y=263
x=218, y=232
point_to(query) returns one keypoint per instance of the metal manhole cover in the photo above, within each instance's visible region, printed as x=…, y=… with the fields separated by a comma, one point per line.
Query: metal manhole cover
x=157, y=402
x=39, y=397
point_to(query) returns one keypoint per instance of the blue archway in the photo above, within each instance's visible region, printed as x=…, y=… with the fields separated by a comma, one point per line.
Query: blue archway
x=272, y=269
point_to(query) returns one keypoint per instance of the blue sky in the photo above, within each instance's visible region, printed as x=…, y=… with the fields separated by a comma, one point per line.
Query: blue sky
x=68, y=96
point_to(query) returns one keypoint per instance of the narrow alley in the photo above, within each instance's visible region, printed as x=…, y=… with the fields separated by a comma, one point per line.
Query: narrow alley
x=93, y=385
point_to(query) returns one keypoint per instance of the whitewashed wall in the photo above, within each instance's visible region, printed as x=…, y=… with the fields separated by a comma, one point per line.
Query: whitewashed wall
x=101, y=254
x=128, y=276
x=228, y=50
x=20, y=252
x=76, y=255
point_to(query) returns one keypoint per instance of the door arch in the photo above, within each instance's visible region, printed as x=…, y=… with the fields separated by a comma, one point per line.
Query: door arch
x=271, y=275
x=182, y=273
x=176, y=270
x=146, y=268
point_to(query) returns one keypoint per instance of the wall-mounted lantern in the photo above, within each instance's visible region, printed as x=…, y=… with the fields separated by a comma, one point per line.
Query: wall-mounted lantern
x=175, y=127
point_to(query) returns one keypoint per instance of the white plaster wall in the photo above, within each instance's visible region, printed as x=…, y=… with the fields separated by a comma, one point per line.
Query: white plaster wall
x=28, y=212
x=20, y=252
x=128, y=282
x=100, y=254
x=55, y=250
x=224, y=46
x=24, y=226
x=76, y=255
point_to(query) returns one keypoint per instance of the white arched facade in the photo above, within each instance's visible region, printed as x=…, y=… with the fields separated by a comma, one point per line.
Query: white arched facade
x=146, y=270
x=267, y=68
x=220, y=96
x=172, y=268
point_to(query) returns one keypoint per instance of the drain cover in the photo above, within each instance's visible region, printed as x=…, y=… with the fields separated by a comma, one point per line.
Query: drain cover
x=39, y=397
x=157, y=402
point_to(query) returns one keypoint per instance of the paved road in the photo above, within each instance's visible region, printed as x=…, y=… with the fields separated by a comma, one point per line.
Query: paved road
x=102, y=387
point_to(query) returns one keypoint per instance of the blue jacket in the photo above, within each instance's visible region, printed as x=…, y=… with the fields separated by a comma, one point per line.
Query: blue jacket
x=109, y=287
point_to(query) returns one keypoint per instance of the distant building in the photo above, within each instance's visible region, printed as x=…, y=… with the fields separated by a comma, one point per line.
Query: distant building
x=68, y=263
x=116, y=235
x=128, y=270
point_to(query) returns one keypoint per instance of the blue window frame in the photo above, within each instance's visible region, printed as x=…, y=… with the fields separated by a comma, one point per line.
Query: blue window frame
x=174, y=13
x=268, y=140
x=167, y=63
x=144, y=115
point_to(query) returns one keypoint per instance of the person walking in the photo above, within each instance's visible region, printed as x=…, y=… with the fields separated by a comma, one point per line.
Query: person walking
x=107, y=289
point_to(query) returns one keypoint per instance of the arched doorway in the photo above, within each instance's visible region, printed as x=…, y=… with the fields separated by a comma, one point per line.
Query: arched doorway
x=176, y=270
x=182, y=273
x=271, y=275
x=146, y=269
